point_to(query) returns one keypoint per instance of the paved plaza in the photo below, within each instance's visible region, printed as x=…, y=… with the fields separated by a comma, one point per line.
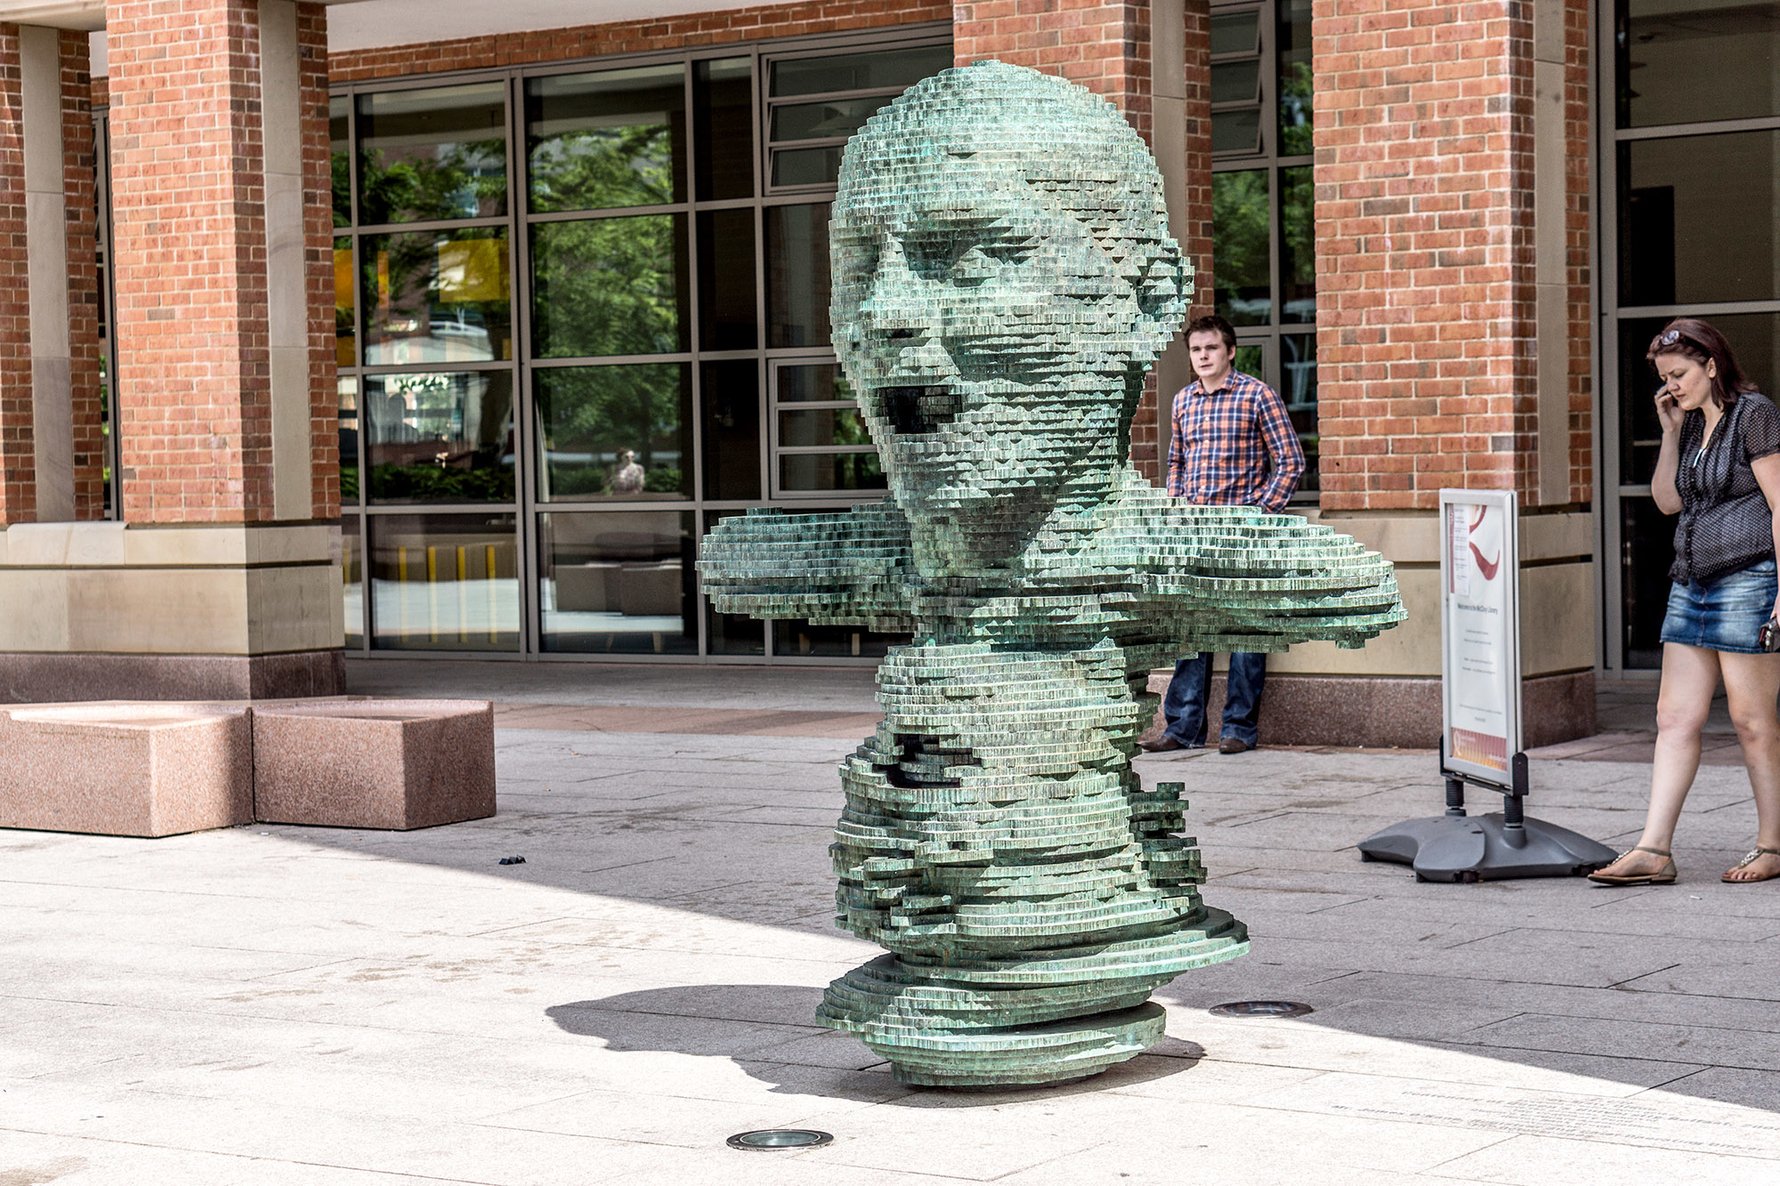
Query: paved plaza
x=284, y=1005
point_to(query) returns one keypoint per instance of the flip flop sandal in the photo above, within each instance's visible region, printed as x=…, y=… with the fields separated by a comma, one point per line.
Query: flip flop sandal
x=1749, y=858
x=1663, y=876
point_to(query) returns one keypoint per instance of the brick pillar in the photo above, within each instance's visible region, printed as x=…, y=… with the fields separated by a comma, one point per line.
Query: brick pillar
x=18, y=467
x=1453, y=335
x=189, y=231
x=1195, y=243
x=1132, y=53
x=1431, y=252
x=80, y=183
x=318, y=258
x=222, y=581
x=50, y=442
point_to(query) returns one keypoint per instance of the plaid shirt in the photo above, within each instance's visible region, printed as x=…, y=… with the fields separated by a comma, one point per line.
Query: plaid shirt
x=1233, y=447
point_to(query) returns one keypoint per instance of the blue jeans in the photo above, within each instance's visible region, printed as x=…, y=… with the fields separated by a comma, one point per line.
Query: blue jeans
x=1183, y=705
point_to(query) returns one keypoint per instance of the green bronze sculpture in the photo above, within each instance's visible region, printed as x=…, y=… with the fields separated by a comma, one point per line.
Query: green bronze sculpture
x=1003, y=279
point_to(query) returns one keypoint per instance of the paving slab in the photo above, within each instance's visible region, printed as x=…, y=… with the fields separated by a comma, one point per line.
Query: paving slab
x=399, y=1007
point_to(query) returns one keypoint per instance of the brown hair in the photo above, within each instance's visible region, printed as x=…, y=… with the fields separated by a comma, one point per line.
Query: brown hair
x=1211, y=323
x=1699, y=340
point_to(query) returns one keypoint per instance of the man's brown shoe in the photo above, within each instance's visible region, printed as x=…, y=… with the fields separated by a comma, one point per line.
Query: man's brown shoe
x=1233, y=745
x=1160, y=745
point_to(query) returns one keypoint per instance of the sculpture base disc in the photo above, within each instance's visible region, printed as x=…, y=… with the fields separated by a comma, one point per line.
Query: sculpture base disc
x=1041, y=1056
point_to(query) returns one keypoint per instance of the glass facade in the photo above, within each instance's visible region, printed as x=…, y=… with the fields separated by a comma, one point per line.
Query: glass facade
x=582, y=314
x=1263, y=201
x=1681, y=164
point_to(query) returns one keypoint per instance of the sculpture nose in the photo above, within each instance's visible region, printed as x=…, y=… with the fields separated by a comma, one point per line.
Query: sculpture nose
x=899, y=305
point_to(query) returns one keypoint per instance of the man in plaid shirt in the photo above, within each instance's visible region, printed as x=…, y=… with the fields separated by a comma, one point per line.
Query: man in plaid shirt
x=1232, y=444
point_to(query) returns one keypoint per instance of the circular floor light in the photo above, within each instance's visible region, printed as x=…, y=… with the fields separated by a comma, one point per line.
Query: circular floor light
x=780, y=1138
x=1261, y=1009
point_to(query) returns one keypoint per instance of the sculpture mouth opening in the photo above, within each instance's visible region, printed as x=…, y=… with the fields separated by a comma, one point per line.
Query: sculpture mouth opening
x=913, y=411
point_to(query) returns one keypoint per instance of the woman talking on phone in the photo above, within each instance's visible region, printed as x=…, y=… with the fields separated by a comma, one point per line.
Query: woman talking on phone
x=1719, y=470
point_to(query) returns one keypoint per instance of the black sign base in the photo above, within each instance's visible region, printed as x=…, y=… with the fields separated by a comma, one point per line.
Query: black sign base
x=1485, y=848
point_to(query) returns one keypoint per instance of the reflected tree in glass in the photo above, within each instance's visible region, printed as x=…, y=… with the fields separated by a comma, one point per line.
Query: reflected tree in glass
x=616, y=138
x=432, y=154
x=1297, y=238
x=616, y=431
x=609, y=286
x=437, y=296
x=440, y=437
x=1241, y=246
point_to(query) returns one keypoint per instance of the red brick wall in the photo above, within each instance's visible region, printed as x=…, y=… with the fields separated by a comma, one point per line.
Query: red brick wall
x=1424, y=154
x=1102, y=44
x=1105, y=46
x=1196, y=187
x=79, y=184
x=1578, y=55
x=668, y=33
x=18, y=488
x=189, y=232
x=318, y=230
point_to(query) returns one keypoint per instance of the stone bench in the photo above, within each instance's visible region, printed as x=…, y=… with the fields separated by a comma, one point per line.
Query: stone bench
x=126, y=769
x=136, y=768
x=367, y=763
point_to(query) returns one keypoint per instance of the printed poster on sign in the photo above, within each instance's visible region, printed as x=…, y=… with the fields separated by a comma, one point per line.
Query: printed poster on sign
x=1480, y=632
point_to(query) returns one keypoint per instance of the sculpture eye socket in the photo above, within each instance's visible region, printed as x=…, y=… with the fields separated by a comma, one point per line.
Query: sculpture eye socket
x=963, y=255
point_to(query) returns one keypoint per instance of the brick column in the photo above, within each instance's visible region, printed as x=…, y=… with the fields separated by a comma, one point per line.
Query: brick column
x=18, y=466
x=80, y=184
x=222, y=580
x=50, y=442
x=188, y=196
x=1112, y=47
x=1453, y=334
x=1429, y=251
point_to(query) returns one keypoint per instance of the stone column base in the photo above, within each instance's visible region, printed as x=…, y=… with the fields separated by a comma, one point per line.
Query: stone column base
x=1389, y=711
x=46, y=679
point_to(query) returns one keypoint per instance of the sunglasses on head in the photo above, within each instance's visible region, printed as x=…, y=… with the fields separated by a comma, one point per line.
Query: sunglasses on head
x=1670, y=337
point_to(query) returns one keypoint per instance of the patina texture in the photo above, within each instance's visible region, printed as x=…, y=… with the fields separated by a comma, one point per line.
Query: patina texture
x=1003, y=280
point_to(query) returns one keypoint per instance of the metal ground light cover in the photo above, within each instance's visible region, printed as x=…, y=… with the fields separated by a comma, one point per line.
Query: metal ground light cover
x=1003, y=280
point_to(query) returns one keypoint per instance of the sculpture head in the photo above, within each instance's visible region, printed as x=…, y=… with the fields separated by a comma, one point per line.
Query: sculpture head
x=1003, y=277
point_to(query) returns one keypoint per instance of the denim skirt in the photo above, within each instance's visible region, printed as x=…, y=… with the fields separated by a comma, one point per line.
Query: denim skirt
x=1725, y=615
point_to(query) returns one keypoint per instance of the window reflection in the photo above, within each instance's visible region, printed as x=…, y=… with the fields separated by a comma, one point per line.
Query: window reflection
x=797, y=275
x=615, y=431
x=436, y=296
x=444, y=582
x=440, y=437
x=432, y=154
x=730, y=395
x=609, y=286
x=1679, y=196
x=1297, y=386
x=1668, y=49
x=351, y=424
x=731, y=634
x=815, y=472
x=894, y=69
x=1297, y=243
x=1241, y=211
x=340, y=153
x=1644, y=573
x=723, y=113
x=1294, y=78
x=615, y=138
x=618, y=583
x=345, y=306
x=727, y=287
x=352, y=574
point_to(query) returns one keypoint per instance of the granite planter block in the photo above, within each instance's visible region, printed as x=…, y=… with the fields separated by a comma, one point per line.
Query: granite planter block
x=123, y=769
x=373, y=763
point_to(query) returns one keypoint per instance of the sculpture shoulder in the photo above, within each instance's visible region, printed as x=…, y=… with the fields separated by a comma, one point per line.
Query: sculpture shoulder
x=843, y=566
x=1245, y=579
